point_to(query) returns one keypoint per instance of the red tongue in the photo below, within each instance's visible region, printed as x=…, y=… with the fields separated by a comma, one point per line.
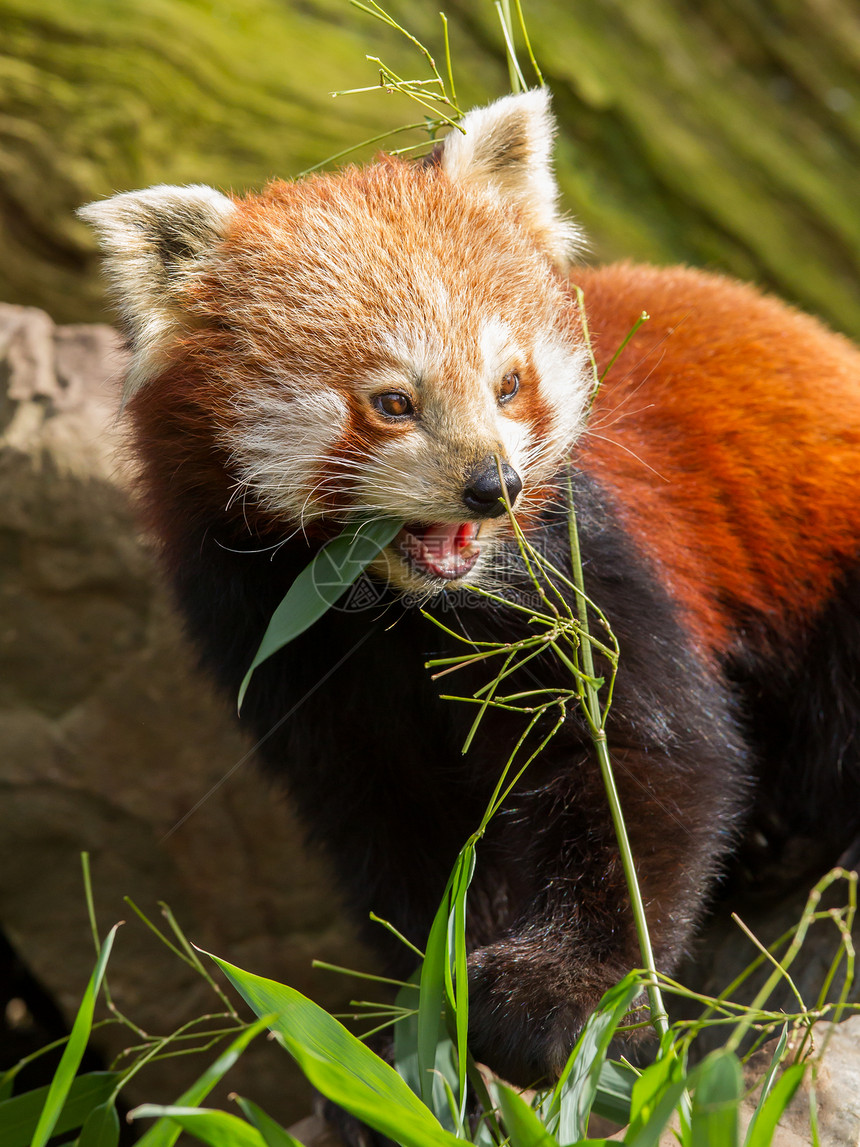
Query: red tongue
x=446, y=540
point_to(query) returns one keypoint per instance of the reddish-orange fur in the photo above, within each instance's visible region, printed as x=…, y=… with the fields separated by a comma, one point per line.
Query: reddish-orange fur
x=736, y=421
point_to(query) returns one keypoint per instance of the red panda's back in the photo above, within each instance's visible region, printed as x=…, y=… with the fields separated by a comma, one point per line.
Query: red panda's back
x=728, y=434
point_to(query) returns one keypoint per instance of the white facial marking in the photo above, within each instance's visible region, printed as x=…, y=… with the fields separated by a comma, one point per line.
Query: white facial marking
x=280, y=443
x=515, y=438
x=499, y=350
x=565, y=383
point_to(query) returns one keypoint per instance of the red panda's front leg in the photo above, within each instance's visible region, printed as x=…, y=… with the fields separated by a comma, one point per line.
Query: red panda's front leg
x=532, y=989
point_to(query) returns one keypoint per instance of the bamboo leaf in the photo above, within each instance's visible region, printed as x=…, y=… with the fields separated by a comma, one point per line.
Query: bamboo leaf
x=768, y=1082
x=573, y=1096
x=102, y=1127
x=165, y=1133
x=331, y=572
x=19, y=1115
x=272, y=1132
x=216, y=1128
x=614, y=1091
x=67, y=1068
x=769, y=1112
x=339, y=1065
x=718, y=1083
x=523, y=1126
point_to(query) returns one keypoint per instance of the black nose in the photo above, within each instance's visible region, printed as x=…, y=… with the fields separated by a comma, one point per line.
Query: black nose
x=483, y=494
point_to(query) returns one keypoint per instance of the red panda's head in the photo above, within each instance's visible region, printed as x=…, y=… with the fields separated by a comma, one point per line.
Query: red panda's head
x=396, y=340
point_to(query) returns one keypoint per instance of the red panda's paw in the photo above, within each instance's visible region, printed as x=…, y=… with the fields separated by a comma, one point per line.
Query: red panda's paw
x=528, y=1003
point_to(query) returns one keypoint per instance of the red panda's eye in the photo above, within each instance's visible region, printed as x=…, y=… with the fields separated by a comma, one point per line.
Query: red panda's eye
x=510, y=386
x=394, y=404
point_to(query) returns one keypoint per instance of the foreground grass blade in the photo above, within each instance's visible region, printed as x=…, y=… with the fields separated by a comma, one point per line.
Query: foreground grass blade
x=614, y=1090
x=216, y=1128
x=339, y=1065
x=406, y=1062
x=574, y=1094
x=332, y=571
x=719, y=1084
x=102, y=1127
x=272, y=1132
x=768, y=1114
x=439, y=986
x=768, y=1082
x=165, y=1133
x=647, y=1132
x=431, y=999
x=20, y=1115
x=458, y=990
x=71, y=1059
x=651, y=1085
x=523, y=1126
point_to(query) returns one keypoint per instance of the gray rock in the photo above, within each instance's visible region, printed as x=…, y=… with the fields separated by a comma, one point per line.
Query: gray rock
x=112, y=742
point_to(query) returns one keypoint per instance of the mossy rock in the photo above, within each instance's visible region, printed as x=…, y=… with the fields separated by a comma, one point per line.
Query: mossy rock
x=722, y=134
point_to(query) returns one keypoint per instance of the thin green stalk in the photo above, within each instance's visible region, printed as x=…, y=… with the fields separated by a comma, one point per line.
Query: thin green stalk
x=517, y=80
x=399, y=935
x=448, y=67
x=365, y=975
x=795, y=991
x=659, y=1017
x=527, y=43
x=779, y=972
x=358, y=146
x=643, y=318
x=196, y=963
x=586, y=335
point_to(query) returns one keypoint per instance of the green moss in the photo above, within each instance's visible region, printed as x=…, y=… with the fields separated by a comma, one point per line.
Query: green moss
x=724, y=134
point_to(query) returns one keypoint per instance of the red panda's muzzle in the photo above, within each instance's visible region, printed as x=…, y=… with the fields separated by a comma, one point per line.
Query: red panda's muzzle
x=445, y=550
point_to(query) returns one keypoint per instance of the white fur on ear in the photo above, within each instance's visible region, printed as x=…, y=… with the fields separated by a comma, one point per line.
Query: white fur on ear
x=156, y=241
x=507, y=151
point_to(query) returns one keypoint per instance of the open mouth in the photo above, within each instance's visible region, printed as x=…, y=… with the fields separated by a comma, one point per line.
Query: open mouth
x=444, y=550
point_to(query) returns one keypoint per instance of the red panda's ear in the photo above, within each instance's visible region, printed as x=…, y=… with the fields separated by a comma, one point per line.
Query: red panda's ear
x=156, y=242
x=506, y=150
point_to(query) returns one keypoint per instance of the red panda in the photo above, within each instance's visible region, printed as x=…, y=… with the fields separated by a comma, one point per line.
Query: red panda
x=369, y=342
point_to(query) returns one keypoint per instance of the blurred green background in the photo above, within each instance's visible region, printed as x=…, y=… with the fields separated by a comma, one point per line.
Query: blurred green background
x=721, y=133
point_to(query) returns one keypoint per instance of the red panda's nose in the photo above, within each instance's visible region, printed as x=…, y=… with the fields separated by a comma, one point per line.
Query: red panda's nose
x=484, y=492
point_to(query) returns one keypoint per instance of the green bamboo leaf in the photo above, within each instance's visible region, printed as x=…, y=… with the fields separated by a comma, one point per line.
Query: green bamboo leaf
x=406, y=1036
x=769, y=1113
x=651, y=1085
x=102, y=1127
x=431, y=999
x=216, y=1128
x=332, y=571
x=444, y=981
x=768, y=1081
x=523, y=1126
x=19, y=1115
x=68, y=1066
x=648, y=1131
x=573, y=1096
x=406, y=1058
x=339, y=1065
x=165, y=1133
x=614, y=1091
x=457, y=977
x=718, y=1083
x=272, y=1132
